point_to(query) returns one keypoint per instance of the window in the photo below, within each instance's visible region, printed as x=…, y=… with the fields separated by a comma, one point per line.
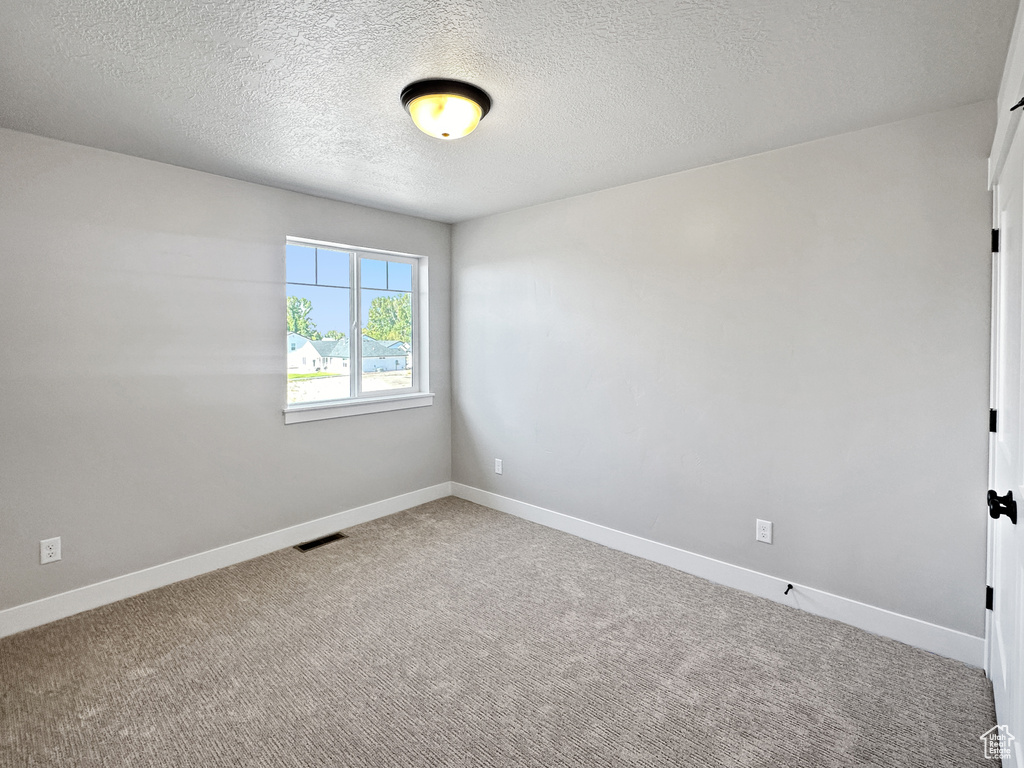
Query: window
x=336, y=294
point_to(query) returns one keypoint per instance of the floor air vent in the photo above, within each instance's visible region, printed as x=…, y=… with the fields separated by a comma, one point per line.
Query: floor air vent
x=308, y=545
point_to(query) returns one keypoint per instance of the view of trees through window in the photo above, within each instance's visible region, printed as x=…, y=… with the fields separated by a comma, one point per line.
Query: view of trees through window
x=321, y=304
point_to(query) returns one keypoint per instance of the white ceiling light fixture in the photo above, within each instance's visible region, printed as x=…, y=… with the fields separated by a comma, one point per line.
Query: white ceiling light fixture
x=445, y=109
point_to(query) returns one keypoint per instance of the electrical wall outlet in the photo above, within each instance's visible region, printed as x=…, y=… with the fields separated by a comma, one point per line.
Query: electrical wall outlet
x=497, y=466
x=764, y=531
x=49, y=551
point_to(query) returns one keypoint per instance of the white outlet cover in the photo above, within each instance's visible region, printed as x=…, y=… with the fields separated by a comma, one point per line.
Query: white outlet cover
x=497, y=466
x=49, y=550
x=764, y=531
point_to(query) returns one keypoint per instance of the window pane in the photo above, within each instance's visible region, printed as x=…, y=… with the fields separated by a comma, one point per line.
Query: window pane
x=300, y=264
x=320, y=300
x=331, y=267
x=318, y=329
x=399, y=276
x=387, y=340
x=373, y=273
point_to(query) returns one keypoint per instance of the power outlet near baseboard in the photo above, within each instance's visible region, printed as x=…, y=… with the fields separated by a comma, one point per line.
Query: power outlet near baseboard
x=49, y=550
x=764, y=531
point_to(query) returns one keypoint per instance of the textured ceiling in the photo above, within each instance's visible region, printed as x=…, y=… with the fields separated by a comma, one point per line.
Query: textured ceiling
x=304, y=94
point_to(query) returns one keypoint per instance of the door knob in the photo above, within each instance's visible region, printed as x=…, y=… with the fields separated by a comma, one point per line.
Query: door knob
x=1002, y=505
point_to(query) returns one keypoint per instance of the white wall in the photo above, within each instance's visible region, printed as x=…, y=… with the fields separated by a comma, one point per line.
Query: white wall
x=153, y=429
x=822, y=312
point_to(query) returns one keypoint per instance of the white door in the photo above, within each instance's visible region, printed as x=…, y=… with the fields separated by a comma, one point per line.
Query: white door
x=1006, y=463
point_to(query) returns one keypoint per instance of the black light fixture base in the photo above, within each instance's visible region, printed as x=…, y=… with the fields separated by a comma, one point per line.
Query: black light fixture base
x=433, y=87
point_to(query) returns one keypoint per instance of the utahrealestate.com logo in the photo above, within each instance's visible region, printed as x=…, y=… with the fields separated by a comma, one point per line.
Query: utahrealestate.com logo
x=997, y=742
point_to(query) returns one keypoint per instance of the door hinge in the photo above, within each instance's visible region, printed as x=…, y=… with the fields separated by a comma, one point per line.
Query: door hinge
x=995, y=241
x=989, y=596
x=993, y=419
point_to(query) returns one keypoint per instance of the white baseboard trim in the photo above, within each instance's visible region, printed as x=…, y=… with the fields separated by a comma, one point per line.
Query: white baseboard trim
x=47, y=609
x=921, y=634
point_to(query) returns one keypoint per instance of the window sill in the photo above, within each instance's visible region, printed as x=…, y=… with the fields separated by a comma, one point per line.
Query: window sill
x=300, y=413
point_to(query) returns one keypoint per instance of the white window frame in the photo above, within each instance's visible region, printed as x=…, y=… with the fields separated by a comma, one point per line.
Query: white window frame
x=358, y=403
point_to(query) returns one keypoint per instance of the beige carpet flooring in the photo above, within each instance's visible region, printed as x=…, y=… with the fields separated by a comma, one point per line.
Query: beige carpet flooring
x=453, y=635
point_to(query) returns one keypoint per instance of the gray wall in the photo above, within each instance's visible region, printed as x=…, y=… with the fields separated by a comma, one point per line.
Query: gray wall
x=142, y=376
x=824, y=314
x=820, y=314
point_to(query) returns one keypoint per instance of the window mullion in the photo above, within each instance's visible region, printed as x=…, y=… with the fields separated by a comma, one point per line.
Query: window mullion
x=414, y=339
x=355, y=346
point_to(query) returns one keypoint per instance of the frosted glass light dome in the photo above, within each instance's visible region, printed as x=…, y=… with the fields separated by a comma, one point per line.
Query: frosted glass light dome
x=445, y=109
